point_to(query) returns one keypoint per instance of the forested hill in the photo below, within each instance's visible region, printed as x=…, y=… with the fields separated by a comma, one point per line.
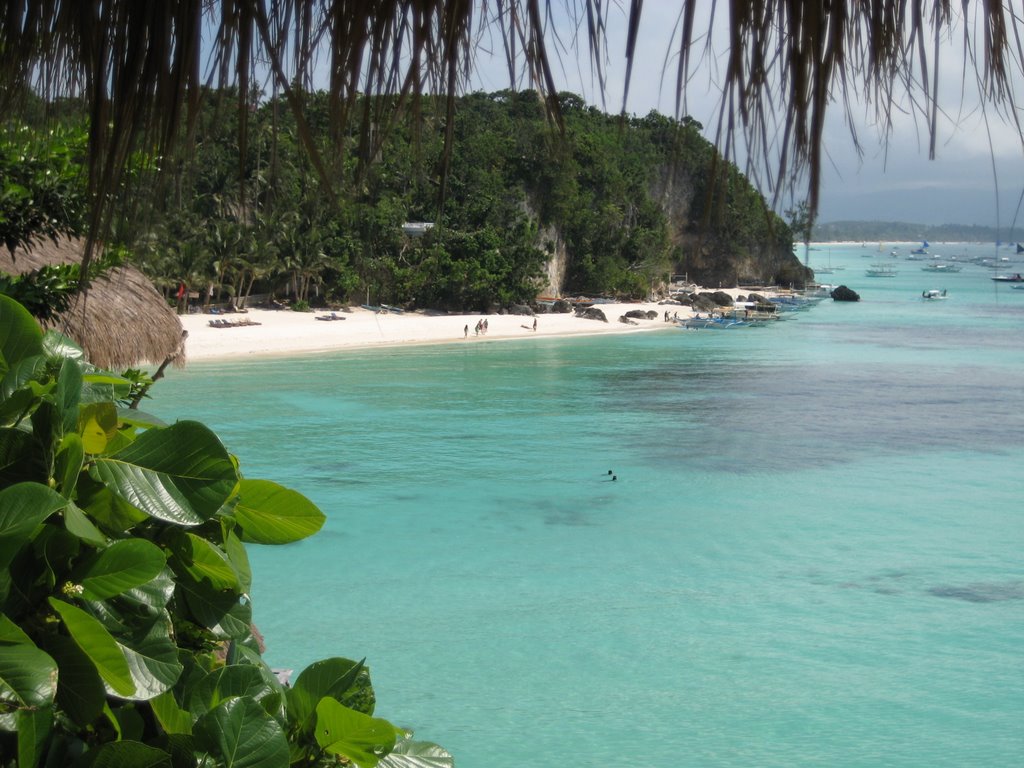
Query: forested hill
x=600, y=205
x=901, y=231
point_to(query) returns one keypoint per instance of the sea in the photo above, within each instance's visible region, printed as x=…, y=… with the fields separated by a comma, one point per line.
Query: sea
x=793, y=545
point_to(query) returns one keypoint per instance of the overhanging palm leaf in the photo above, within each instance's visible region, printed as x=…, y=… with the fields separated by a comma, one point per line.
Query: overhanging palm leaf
x=139, y=64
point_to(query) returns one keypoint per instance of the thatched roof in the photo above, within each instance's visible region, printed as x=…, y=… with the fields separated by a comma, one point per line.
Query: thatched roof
x=121, y=322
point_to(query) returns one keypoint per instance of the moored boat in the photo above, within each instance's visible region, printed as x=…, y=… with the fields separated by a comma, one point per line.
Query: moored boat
x=880, y=270
x=1016, y=277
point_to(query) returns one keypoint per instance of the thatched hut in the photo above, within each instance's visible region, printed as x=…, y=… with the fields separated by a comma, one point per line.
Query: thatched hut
x=121, y=322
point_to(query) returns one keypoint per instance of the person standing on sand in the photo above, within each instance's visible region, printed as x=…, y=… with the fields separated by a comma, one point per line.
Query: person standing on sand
x=535, y=324
x=465, y=331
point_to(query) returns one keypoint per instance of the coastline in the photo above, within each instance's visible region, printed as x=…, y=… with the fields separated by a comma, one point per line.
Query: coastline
x=283, y=333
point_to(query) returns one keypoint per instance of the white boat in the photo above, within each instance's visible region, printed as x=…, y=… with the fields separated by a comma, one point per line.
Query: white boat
x=881, y=270
x=1014, y=278
x=934, y=295
x=941, y=268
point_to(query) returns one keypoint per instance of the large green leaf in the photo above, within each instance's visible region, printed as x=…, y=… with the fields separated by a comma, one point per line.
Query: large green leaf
x=204, y=561
x=152, y=658
x=28, y=676
x=80, y=691
x=239, y=559
x=139, y=419
x=227, y=682
x=102, y=650
x=272, y=514
x=126, y=754
x=417, y=754
x=173, y=719
x=21, y=373
x=328, y=677
x=151, y=597
x=58, y=345
x=358, y=737
x=21, y=458
x=22, y=508
x=239, y=734
x=123, y=565
x=68, y=464
x=78, y=523
x=69, y=391
x=34, y=727
x=20, y=336
x=11, y=633
x=222, y=612
x=17, y=405
x=181, y=474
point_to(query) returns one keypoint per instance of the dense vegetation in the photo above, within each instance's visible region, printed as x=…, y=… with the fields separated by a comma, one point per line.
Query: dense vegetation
x=604, y=205
x=126, y=635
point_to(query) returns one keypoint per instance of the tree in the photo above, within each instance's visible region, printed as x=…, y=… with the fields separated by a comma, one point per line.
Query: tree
x=42, y=187
x=140, y=69
x=126, y=633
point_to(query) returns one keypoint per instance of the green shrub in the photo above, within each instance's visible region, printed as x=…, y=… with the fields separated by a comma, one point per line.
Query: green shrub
x=125, y=623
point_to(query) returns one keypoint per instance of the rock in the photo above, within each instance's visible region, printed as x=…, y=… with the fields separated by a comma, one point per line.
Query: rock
x=592, y=313
x=757, y=298
x=721, y=298
x=562, y=306
x=639, y=313
x=652, y=315
x=625, y=319
x=842, y=293
x=519, y=309
x=703, y=303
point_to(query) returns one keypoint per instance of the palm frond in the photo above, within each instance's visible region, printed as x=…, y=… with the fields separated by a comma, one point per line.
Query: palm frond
x=141, y=66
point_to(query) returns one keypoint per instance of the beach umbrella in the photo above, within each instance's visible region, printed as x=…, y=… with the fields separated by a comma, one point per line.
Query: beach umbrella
x=122, y=321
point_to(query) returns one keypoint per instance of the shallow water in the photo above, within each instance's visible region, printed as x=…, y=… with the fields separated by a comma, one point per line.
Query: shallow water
x=811, y=555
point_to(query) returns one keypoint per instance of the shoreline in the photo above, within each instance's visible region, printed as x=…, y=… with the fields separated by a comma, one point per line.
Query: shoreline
x=279, y=333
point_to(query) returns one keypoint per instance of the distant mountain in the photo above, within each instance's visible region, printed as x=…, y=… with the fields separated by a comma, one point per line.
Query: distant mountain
x=900, y=231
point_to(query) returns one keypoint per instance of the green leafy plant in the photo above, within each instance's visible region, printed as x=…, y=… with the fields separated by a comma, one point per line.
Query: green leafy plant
x=125, y=624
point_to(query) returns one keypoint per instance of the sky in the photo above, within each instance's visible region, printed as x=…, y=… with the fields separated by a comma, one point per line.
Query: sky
x=976, y=164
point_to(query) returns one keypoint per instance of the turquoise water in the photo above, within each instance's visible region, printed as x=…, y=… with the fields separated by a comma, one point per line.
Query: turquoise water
x=812, y=554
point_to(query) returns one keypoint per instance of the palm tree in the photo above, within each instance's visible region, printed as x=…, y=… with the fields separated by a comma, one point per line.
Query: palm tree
x=139, y=64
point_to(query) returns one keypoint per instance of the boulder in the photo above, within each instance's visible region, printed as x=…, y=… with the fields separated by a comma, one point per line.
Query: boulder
x=627, y=320
x=638, y=313
x=703, y=303
x=842, y=293
x=592, y=313
x=562, y=306
x=721, y=298
x=519, y=309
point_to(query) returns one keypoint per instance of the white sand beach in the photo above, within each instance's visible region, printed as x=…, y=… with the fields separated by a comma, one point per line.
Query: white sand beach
x=277, y=333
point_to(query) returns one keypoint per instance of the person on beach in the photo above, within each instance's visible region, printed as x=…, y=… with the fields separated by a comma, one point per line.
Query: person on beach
x=465, y=331
x=535, y=324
